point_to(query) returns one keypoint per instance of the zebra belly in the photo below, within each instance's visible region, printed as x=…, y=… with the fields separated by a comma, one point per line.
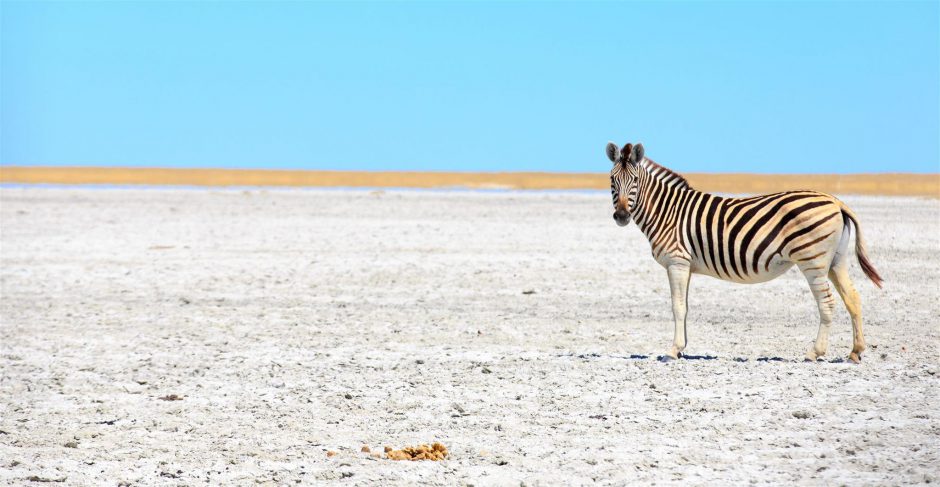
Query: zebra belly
x=778, y=266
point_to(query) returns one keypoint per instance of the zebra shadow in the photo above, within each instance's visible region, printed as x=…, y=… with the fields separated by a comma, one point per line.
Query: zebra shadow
x=664, y=358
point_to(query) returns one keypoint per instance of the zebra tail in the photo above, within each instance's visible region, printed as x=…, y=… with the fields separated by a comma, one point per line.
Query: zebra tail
x=863, y=261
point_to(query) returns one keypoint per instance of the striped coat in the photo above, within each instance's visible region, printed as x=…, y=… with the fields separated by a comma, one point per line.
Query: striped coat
x=745, y=240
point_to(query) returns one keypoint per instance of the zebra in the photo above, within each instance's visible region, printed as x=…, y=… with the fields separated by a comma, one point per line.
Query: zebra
x=744, y=240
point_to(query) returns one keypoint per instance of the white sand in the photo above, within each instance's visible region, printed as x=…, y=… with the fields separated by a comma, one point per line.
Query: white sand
x=296, y=322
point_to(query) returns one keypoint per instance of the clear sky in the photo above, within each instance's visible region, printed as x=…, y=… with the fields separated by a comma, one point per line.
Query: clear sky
x=721, y=87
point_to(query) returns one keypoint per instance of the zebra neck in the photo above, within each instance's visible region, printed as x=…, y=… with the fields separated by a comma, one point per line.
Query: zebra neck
x=659, y=191
x=664, y=174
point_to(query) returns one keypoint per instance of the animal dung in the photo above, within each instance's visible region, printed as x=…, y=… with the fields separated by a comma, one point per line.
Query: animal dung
x=435, y=452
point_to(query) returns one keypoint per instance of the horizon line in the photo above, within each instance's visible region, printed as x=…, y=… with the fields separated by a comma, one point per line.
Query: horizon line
x=108, y=167
x=894, y=183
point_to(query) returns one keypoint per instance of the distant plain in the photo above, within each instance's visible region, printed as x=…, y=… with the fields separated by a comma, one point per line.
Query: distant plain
x=894, y=184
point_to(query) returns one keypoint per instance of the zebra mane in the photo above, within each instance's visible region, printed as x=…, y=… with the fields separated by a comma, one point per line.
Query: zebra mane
x=666, y=175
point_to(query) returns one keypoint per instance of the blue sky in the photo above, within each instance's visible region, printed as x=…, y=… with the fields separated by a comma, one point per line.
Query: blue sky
x=718, y=87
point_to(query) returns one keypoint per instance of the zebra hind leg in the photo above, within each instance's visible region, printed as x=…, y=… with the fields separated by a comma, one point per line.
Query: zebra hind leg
x=839, y=274
x=819, y=285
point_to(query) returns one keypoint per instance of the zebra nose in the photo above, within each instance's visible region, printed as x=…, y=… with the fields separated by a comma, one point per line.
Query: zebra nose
x=620, y=215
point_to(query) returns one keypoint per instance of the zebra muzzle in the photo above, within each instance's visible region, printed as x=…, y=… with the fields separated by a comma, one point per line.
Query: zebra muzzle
x=621, y=217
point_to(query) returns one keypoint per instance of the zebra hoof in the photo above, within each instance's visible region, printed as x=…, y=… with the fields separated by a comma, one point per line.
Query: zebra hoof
x=666, y=358
x=855, y=358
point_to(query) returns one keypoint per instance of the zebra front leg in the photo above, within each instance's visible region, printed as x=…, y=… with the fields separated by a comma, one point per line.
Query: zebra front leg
x=819, y=285
x=679, y=274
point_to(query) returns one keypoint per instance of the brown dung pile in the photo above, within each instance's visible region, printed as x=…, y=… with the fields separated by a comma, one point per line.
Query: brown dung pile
x=434, y=452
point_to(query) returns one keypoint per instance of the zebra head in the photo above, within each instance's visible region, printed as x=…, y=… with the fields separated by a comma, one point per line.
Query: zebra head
x=623, y=178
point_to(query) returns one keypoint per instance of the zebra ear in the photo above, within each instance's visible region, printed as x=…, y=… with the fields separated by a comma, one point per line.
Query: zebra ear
x=612, y=151
x=638, y=154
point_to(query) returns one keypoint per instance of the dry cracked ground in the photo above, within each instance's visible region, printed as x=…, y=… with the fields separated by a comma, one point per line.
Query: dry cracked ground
x=190, y=336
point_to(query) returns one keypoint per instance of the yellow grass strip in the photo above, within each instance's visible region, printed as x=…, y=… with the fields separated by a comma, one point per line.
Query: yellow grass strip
x=871, y=184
